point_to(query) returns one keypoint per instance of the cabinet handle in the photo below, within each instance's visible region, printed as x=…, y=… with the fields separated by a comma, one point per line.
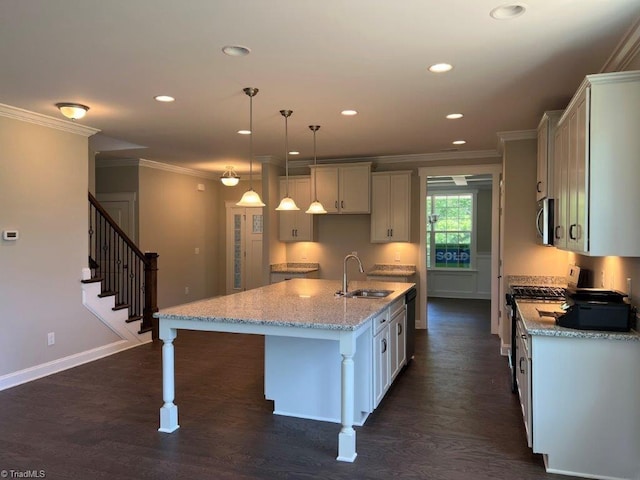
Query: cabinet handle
x=520, y=365
x=571, y=235
x=391, y=230
x=399, y=329
x=538, y=185
x=523, y=336
x=382, y=320
x=336, y=204
x=296, y=232
x=384, y=345
x=558, y=230
x=341, y=203
x=388, y=233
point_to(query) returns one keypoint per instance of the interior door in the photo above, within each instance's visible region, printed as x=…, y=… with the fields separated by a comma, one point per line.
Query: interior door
x=244, y=248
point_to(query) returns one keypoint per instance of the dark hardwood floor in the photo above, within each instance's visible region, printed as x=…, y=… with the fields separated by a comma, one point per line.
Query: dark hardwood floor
x=449, y=415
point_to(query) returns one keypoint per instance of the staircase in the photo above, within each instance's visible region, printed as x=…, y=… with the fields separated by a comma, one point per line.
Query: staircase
x=120, y=285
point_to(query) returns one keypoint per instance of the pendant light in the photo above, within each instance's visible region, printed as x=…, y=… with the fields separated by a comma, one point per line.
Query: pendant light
x=230, y=178
x=316, y=207
x=250, y=197
x=287, y=203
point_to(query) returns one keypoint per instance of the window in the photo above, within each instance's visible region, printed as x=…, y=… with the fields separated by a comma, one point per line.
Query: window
x=450, y=230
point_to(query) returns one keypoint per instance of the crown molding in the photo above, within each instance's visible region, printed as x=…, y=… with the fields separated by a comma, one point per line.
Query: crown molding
x=625, y=52
x=46, y=121
x=416, y=159
x=167, y=167
x=515, y=135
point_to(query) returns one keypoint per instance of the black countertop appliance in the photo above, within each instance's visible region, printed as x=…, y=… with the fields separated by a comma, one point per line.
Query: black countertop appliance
x=595, y=309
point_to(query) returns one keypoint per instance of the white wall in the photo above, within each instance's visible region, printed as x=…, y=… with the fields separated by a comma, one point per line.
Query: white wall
x=43, y=193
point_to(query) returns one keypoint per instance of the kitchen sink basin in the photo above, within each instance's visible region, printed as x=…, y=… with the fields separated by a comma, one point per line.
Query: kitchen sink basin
x=367, y=293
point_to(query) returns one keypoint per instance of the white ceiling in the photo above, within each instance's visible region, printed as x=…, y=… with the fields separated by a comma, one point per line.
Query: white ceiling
x=315, y=58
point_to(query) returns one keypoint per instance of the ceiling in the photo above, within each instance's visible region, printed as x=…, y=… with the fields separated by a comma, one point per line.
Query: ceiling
x=315, y=58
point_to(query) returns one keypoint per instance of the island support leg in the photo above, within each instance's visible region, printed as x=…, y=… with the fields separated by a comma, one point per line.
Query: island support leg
x=169, y=410
x=347, y=435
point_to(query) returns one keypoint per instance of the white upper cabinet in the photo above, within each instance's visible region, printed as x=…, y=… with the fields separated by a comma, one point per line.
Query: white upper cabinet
x=344, y=188
x=599, y=143
x=546, y=135
x=296, y=226
x=390, y=206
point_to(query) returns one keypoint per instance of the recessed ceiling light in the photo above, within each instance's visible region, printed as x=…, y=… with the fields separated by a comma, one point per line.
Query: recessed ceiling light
x=508, y=11
x=459, y=142
x=294, y=152
x=454, y=116
x=244, y=132
x=164, y=98
x=349, y=113
x=235, y=50
x=440, y=68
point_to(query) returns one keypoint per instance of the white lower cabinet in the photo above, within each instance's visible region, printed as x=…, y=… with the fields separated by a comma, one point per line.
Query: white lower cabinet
x=303, y=376
x=579, y=399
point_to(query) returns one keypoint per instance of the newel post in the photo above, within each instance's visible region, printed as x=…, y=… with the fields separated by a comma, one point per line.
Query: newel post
x=150, y=294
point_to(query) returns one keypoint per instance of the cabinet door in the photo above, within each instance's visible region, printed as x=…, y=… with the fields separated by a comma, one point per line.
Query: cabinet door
x=381, y=364
x=355, y=189
x=287, y=219
x=303, y=221
x=543, y=139
x=398, y=342
x=327, y=185
x=576, y=205
x=400, y=207
x=561, y=193
x=380, y=208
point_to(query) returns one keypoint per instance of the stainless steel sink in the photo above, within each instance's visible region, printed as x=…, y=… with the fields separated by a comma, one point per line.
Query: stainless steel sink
x=368, y=293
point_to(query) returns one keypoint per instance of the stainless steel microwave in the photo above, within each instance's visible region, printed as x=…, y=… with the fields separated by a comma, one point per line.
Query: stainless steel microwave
x=544, y=221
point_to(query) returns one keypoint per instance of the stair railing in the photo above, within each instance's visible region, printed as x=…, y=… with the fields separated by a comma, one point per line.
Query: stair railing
x=124, y=270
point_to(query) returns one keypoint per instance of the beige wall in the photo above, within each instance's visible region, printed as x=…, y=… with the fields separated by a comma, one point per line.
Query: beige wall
x=522, y=255
x=119, y=179
x=483, y=238
x=43, y=194
x=175, y=219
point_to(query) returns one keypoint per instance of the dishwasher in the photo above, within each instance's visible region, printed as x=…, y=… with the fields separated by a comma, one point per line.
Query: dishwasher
x=410, y=302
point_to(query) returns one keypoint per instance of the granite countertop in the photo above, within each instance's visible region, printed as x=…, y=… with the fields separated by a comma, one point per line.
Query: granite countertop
x=546, y=325
x=392, y=270
x=300, y=302
x=541, y=280
x=294, y=267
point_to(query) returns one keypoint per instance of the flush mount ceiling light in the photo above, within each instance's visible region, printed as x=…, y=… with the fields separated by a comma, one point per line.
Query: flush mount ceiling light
x=348, y=113
x=294, y=152
x=459, y=142
x=164, y=98
x=508, y=11
x=287, y=203
x=236, y=50
x=73, y=111
x=440, y=68
x=454, y=116
x=244, y=132
x=316, y=207
x=250, y=197
x=230, y=178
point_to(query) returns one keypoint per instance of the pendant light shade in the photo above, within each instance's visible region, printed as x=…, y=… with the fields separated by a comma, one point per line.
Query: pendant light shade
x=316, y=207
x=287, y=203
x=250, y=197
x=229, y=178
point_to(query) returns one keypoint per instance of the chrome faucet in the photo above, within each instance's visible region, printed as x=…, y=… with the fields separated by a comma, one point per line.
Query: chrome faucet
x=344, y=274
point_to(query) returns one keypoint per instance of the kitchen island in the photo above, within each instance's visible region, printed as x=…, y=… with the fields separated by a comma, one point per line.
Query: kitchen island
x=579, y=393
x=304, y=325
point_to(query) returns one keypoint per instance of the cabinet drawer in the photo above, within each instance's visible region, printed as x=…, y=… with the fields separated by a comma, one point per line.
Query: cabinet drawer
x=380, y=321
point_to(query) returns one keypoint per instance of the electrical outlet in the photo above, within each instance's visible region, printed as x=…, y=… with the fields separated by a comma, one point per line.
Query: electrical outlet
x=197, y=251
x=186, y=290
x=51, y=338
x=629, y=287
x=602, y=279
x=397, y=257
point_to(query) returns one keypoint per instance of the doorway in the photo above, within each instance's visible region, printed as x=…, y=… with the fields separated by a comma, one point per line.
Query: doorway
x=492, y=171
x=243, y=248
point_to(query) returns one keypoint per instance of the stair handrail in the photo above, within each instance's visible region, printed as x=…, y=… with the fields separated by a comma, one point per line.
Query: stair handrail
x=150, y=263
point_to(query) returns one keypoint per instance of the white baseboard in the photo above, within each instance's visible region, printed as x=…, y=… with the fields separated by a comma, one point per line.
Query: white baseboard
x=33, y=373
